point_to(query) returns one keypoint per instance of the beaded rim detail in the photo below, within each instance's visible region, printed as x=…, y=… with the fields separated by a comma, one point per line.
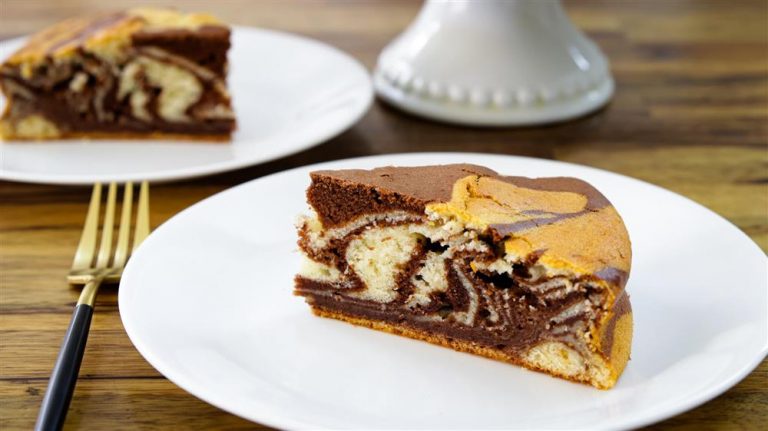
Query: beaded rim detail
x=486, y=98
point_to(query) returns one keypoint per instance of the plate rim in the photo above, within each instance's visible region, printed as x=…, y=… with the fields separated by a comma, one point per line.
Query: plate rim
x=191, y=387
x=178, y=174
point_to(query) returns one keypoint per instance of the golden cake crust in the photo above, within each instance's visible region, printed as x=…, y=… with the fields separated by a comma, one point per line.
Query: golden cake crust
x=103, y=34
x=613, y=363
x=188, y=138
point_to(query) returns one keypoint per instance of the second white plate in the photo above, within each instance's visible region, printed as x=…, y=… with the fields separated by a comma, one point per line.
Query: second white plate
x=289, y=93
x=207, y=301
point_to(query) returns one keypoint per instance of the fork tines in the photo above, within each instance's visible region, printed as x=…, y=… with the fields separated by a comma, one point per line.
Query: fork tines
x=111, y=257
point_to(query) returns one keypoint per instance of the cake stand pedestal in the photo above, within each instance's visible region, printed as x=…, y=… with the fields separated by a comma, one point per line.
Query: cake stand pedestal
x=493, y=63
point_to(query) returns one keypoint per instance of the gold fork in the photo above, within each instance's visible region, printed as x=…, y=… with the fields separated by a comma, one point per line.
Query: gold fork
x=108, y=267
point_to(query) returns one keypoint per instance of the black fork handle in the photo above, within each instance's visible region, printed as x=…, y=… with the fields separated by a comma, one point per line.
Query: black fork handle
x=53, y=411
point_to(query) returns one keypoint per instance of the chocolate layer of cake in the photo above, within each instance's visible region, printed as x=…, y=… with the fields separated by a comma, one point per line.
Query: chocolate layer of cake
x=531, y=271
x=142, y=72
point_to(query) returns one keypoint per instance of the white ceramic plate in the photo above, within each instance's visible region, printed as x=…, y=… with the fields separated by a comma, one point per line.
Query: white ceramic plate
x=289, y=93
x=207, y=300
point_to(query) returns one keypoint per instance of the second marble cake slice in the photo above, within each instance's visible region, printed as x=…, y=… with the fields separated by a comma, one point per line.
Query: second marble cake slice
x=529, y=271
x=140, y=73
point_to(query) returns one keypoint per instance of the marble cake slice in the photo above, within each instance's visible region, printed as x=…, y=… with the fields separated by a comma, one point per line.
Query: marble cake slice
x=528, y=271
x=140, y=73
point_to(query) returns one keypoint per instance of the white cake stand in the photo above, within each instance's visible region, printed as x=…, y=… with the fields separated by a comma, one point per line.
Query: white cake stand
x=493, y=63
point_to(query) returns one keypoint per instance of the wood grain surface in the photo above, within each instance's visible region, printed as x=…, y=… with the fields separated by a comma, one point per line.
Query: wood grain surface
x=690, y=114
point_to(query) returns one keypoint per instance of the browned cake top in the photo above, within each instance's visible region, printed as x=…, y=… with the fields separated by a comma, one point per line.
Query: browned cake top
x=105, y=34
x=568, y=223
x=423, y=183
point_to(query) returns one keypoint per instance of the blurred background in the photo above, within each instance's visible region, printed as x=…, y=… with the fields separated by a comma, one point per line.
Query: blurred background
x=690, y=113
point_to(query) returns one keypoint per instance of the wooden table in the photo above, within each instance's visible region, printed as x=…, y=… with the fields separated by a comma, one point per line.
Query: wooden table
x=690, y=114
